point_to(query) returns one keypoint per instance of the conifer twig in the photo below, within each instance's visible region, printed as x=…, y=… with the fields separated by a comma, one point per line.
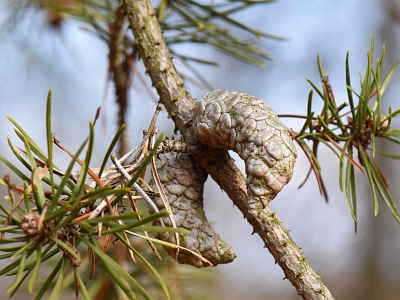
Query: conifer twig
x=218, y=164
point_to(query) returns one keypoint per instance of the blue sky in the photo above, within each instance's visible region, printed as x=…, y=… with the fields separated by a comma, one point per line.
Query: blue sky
x=74, y=64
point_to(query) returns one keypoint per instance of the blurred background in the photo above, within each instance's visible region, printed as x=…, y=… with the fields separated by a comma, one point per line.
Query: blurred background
x=73, y=62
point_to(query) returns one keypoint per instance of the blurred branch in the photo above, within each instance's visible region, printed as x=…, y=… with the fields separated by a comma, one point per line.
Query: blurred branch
x=218, y=164
x=392, y=9
x=121, y=67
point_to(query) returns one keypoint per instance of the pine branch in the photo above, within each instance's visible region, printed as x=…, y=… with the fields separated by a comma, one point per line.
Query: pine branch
x=218, y=163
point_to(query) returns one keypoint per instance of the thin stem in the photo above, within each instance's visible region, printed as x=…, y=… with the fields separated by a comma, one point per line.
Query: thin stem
x=218, y=163
x=294, y=116
x=135, y=185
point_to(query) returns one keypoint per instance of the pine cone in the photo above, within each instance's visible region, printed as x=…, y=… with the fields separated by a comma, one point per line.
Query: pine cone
x=183, y=183
x=247, y=125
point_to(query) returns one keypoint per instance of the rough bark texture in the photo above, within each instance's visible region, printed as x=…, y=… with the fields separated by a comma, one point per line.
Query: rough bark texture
x=159, y=66
x=183, y=182
x=217, y=162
